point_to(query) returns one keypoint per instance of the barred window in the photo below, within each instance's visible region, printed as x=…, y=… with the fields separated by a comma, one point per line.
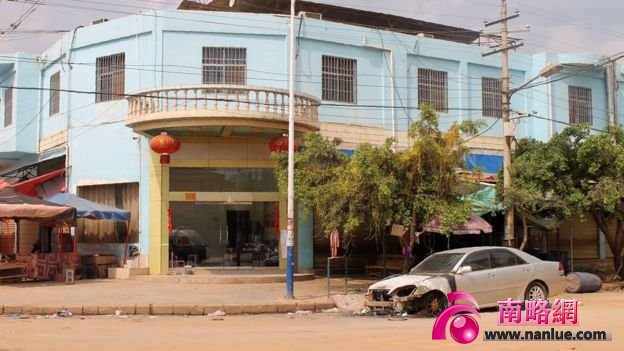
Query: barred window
x=55, y=94
x=491, y=97
x=110, y=77
x=580, y=105
x=339, y=79
x=8, y=107
x=432, y=89
x=224, y=65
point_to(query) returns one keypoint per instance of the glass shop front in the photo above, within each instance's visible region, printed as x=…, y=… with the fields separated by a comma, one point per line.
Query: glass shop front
x=223, y=217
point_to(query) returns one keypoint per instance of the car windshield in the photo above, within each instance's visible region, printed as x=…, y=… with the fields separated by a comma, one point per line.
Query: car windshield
x=438, y=263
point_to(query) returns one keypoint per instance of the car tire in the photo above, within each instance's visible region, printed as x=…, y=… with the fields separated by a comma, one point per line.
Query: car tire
x=434, y=303
x=535, y=291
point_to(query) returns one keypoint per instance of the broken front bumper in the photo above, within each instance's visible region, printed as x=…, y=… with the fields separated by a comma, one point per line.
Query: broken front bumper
x=381, y=300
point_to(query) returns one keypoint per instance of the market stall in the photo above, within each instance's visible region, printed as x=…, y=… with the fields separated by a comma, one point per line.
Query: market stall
x=17, y=206
x=95, y=211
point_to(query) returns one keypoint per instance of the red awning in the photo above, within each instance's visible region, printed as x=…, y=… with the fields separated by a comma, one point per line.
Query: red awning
x=29, y=187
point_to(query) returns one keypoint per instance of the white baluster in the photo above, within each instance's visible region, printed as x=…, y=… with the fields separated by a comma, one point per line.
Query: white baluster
x=257, y=93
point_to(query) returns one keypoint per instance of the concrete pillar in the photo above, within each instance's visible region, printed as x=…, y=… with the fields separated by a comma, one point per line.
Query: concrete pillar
x=158, y=205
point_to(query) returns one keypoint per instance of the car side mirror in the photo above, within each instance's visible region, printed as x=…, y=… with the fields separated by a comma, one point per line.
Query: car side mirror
x=464, y=269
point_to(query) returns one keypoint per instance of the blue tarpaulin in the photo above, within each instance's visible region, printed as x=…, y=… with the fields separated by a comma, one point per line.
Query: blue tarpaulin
x=90, y=209
x=489, y=164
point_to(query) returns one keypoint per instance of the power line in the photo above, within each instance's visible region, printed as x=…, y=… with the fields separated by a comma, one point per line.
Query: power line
x=566, y=123
x=484, y=131
x=23, y=16
x=125, y=95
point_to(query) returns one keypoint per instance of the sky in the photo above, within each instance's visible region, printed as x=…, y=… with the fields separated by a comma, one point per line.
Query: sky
x=555, y=25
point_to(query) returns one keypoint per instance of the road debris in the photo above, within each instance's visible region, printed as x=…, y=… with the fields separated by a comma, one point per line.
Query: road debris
x=217, y=313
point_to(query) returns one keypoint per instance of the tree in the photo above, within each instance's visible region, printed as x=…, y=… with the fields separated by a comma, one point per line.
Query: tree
x=574, y=174
x=318, y=166
x=377, y=186
x=601, y=159
x=346, y=194
x=541, y=182
x=430, y=182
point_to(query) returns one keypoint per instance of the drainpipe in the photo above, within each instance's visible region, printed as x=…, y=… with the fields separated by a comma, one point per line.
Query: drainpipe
x=42, y=63
x=392, y=88
x=611, y=92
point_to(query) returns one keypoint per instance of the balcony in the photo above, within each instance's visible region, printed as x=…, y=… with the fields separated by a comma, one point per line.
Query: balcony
x=219, y=110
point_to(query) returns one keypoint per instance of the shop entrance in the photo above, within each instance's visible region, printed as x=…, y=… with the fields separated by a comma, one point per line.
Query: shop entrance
x=217, y=234
x=238, y=226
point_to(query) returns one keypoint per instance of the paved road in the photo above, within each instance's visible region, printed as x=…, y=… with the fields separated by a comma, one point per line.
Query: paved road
x=324, y=331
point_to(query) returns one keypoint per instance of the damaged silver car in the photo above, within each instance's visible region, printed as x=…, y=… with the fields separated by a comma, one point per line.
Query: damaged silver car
x=489, y=274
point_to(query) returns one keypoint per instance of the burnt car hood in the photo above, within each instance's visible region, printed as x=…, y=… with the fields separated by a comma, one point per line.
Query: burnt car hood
x=399, y=281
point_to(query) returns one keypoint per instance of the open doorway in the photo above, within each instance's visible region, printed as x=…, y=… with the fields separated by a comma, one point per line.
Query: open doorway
x=238, y=235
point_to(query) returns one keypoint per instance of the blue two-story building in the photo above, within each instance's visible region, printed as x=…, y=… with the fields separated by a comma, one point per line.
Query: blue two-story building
x=216, y=77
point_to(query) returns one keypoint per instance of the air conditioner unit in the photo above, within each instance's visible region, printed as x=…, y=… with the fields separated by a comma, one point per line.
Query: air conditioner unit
x=425, y=35
x=98, y=21
x=315, y=15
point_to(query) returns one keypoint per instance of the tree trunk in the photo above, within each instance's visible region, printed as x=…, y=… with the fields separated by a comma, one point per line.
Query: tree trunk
x=617, y=251
x=407, y=261
x=615, y=242
x=525, y=230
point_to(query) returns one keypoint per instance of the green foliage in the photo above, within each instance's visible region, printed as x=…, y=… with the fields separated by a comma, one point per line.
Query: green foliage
x=318, y=166
x=431, y=183
x=574, y=173
x=377, y=186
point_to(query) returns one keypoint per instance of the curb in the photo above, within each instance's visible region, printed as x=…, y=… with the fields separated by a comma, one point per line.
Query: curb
x=171, y=309
x=216, y=279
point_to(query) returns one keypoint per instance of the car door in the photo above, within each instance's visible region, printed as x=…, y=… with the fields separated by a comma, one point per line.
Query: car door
x=512, y=274
x=480, y=282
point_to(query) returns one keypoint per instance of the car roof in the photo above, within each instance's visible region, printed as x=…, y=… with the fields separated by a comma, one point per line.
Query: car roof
x=466, y=250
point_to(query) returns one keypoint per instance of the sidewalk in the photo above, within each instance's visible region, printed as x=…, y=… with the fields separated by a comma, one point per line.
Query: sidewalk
x=105, y=297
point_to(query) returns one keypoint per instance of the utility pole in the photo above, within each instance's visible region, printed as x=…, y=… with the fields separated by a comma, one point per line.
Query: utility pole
x=290, y=240
x=508, y=128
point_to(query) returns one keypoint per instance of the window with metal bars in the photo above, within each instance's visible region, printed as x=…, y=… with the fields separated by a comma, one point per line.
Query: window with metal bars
x=8, y=107
x=55, y=94
x=491, y=97
x=110, y=77
x=432, y=89
x=580, y=105
x=224, y=65
x=339, y=79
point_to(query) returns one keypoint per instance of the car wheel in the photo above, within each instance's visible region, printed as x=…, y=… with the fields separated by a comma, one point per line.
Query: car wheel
x=535, y=292
x=434, y=303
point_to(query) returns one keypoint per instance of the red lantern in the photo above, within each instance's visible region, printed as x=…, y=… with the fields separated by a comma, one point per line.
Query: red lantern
x=164, y=144
x=280, y=144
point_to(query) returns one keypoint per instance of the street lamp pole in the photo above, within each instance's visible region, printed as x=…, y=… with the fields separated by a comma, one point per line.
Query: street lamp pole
x=290, y=239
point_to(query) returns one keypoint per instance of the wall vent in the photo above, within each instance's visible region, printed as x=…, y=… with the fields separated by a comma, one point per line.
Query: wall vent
x=425, y=35
x=315, y=15
x=98, y=21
